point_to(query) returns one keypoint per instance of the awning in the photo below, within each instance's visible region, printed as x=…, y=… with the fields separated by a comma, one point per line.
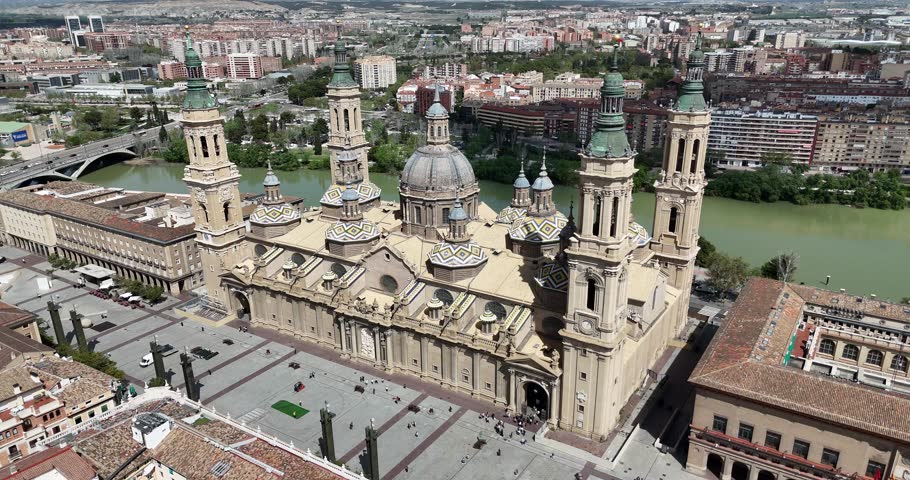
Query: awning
x=95, y=272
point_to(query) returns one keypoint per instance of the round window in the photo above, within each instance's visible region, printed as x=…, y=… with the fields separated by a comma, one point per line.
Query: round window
x=444, y=295
x=260, y=250
x=389, y=284
x=298, y=259
x=497, y=309
x=338, y=269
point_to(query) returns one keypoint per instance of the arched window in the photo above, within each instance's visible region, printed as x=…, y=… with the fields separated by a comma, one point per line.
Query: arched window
x=827, y=347
x=614, y=216
x=899, y=363
x=444, y=296
x=298, y=259
x=597, y=206
x=260, y=250
x=389, y=284
x=874, y=357
x=227, y=210
x=680, y=155
x=205, y=146
x=497, y=309
x=674, y=213
x=694, y=162
x=445, y=215
x=347, y=121
x=339, y=269
x=205, y=212
x=851, y=352
x=192, y=141
x=592, y=294
x=217, y=146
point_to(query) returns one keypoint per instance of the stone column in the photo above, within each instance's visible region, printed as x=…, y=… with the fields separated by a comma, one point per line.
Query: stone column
x=475, y=372
x=554, y=403
x=728, y=468
x=511, y=390
x=423, y=354
x=753, y=472
x=344, y=337
x=376, y=346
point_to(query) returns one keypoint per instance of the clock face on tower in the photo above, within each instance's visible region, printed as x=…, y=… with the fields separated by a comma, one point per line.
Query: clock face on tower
x=586, y=326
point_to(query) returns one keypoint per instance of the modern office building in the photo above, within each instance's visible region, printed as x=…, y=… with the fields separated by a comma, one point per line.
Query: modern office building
x=746, y=138
x=375, y=72
x=96, y=23
x=801, y=383
x=73, y=25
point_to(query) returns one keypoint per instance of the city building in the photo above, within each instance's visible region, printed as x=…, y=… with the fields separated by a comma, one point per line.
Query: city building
x=96, y=23
x=244, y=66
x=99, y=42
x=743, y=139
x=16, y=133
x=566, y=85
x=375, y=72
x=802, y=383
x=523, y=121
x=171, y=70
x=73, y=27
x=522, y=308
x=445, y=71
x=850, y=142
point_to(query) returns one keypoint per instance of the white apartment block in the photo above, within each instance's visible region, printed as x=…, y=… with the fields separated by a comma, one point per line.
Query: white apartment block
x=785, y=40
x=279, y=47
x=244, y=66
x=446, y=70
x=309, y=47
x=375, y=72
x=566, y=85
x=745, y=138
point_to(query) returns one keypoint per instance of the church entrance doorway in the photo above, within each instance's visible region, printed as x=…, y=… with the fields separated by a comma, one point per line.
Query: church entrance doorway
x=241, y=306
x=537, y=401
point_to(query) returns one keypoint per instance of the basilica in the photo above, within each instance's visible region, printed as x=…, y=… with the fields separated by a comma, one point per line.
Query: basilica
x=526, y=308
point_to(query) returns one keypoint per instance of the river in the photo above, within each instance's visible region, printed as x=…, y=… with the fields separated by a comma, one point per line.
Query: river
x=866, y=251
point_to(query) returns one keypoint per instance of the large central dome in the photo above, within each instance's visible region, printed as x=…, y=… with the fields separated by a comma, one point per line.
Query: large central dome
x=437, y=168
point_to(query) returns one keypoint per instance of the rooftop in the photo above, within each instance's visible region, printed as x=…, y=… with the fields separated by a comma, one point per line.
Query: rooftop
x=747, y=359
x=64, y=461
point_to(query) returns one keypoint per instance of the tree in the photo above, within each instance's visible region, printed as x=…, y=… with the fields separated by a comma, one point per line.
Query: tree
x=320, y=127
x=905, y=301
x=162, y=135
x=706, y=250
x=727, y=273
x=110, y=119
x=259, y=128
x=286, y=117
x=136, y=115
x=782, y=267
x=115, y=77
x=156, y=114
x=92, y=119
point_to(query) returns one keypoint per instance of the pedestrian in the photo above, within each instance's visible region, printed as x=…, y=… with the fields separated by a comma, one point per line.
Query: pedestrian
x=374, y=391
x=181, y=324
x=210, y=372
x=351, y=426
x=417, y=434
x=268, y=352
x=534, y=437
x=406, y=467
x=203, y=328
x=409, y=426
x=498, y=452
x=450, y=409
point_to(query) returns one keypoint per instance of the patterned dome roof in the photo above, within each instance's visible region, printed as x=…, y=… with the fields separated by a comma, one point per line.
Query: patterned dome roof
x=274, y=214
x=538, y=229
x=455, y=255
x=639, y=235
x=554, y=276
x=510, y=214
x=352, y=231
x=438, y=168
x=367, y=191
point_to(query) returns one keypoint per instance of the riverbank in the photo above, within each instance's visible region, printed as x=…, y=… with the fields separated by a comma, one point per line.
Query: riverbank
x=862, y=249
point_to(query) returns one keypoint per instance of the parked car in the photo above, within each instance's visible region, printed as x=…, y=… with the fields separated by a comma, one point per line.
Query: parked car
x=146, y=360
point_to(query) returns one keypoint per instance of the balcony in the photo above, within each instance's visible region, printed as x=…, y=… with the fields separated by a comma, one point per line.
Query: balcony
x=770, y=455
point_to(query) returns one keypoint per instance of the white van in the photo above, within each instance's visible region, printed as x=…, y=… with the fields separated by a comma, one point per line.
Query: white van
x=146, y=360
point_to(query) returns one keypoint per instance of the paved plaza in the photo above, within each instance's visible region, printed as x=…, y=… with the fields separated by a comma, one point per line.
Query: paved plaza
x=251, y=372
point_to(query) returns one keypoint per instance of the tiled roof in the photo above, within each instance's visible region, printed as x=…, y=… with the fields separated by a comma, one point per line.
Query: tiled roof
x=15, y=343
x=110, y=448
x=131, y=199
x=15, y=376
x=90, y=383
x=11, y=316
x=68, y=187
x=192, y=457
x=92, y=214
x=294, y=467
x=223, y=432
x=746, y=358
x=63, y=460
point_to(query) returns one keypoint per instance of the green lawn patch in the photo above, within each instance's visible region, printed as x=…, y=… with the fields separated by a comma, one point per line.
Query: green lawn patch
x=290, y=409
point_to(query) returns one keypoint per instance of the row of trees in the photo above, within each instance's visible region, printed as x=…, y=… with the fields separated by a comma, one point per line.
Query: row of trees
x=314, y=86
x=152, y=294
x=778, y=181
x=729, y=273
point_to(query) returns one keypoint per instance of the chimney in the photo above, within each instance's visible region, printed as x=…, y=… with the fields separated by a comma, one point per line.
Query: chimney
x=35, y=378
x=17, y=389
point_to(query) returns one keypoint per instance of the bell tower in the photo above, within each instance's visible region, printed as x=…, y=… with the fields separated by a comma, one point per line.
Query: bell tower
x=348, y=146
x=598, y=256
x=212, y=181
x=680, y=188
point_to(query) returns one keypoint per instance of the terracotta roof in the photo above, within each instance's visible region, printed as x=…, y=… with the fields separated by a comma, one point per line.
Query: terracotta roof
x=11, y=316
x=14, y=344
x=68, y=187
x=16, y=376
x=294, y=467
x=746, y=359
x=131, y=200
x=92, y=214
x=192, y=456
x=64, y=461
x=110, y=448
x=85, y=384
x=223, y=432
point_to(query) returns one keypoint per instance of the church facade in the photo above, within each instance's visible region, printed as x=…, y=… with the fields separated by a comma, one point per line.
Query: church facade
x=523, y=308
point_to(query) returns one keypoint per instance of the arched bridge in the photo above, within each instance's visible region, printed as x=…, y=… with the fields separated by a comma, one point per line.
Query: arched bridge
x=71, y=163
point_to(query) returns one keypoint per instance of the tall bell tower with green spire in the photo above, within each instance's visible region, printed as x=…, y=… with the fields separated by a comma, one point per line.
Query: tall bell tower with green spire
x=680, y=188
x=598, y=257
x=212, y=181
x=346, y=124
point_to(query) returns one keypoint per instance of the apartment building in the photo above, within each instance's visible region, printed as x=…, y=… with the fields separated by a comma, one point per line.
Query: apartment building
x=854, y=142
x=99, y=42
x=375, y=72
x=171, y=70
x=244, y=66
x=746, y=138
x=84, y=223
x=447, y=70
x=566, y=85
x=802, y=383
x=523, y=122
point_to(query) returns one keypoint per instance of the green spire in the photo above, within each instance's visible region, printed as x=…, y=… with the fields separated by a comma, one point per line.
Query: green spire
x=341, y=74
x=692, y=92
x=197, y=94
x=609, y=138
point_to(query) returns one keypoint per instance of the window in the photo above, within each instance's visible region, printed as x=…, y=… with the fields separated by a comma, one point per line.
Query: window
x=497, y=309
x=827, y=347
x=830, y=457
x=671, y=226
x=851, y=352
x=489, y=386
x=874, y=357
x=445, y=215
x=694, y=166
x=596, y=227
x=226, y=207
x=745, y=431
x=680, y=155
x=436, y=368
x=389, y=284
x=581, y=409
x=772, y=439
x=899, y=363
x=583, y=375
x=205, y=146
x=614, y=215
x=875, y=469
x=720, y=424
x=339, y=269
x=801, y=448
x=414, y=361
x=417, y=215
x=592, y=293
x=444, y=296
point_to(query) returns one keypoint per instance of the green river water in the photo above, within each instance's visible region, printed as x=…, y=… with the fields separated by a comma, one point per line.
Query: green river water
x=865, y=251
